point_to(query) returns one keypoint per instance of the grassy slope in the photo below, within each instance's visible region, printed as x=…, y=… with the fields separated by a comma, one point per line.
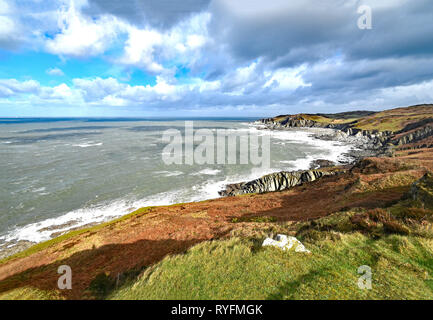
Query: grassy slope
x=388, y=120
x=396, y=242
x=398, y=250
x=395, y=119
x=238, y=269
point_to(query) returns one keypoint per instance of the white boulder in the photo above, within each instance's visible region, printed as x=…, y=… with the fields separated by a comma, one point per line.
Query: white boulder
x=285, y=243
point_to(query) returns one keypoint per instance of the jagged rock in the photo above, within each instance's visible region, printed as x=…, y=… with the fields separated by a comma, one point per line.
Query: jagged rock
x=274, y=182
x=422, y=191
x=414, y=136
x=321, y=163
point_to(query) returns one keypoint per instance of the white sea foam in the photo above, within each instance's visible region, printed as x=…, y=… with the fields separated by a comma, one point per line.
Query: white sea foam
x=89, y=144
x=42, y=231
x=208, y=171
x=169, y=173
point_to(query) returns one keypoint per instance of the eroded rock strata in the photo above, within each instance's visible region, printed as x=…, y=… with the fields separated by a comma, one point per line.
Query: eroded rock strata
x=275, y=182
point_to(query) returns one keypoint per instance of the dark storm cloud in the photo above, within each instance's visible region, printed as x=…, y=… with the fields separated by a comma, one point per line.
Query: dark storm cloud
x=296, y=32
x=157, y=13
x=406, y=30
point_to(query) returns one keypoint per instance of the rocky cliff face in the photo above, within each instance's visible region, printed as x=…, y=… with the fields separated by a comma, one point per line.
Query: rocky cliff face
x=377, y=142
x=369, y=143
x=274, y=182
x=414, y=136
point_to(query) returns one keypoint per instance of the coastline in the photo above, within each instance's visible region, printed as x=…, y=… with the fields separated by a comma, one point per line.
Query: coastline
x=9, y=248
x=369, y=203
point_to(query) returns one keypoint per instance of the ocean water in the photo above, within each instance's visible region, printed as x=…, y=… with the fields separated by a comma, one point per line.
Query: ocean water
x=58, y=174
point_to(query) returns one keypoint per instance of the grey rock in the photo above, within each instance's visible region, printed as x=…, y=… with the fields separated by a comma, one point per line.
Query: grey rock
x=274, y=182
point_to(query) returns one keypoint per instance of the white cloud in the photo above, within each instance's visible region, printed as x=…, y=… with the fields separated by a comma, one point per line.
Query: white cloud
x=286, y=78
x=140, y=47
x=55, y=72
x=60, y=92
x=151, y=50
x=11, y=87
x=83, y=36
x=98, y=88
x=9, y=27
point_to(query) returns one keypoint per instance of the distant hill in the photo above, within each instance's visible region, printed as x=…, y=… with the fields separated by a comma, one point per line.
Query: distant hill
x=389, y=120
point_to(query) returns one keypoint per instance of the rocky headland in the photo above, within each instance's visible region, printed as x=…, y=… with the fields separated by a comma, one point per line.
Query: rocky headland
x=371, y=134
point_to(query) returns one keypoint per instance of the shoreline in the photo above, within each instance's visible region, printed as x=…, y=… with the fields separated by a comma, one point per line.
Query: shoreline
x=9, y=248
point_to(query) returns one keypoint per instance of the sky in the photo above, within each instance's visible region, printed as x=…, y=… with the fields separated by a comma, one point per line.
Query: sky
x=157, y=58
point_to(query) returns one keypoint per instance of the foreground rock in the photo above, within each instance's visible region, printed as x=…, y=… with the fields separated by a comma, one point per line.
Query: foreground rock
x=285, y=243
x=421, y=191
x=274, y=182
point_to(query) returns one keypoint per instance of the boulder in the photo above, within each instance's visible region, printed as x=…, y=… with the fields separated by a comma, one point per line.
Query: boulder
x=285, y=243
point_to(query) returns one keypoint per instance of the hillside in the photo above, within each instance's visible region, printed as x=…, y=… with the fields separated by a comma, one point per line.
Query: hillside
x=378, y=212
x=389, y=120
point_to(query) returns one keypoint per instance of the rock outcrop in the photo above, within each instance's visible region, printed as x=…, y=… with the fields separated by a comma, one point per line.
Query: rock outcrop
x=372, y=142
x=422, y=191
x=413, y=136
x=321, y=163
x=274, y=182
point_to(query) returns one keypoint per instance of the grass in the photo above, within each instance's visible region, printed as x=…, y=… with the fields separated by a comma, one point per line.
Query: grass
x=395, y=242
x=30, y=293
x=323, y=119
x=46, y=244
x=240, y=269
x=388, y=120
x=257, y=219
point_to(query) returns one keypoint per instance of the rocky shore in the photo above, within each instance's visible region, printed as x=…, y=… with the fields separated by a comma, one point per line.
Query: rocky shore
x=366, y=143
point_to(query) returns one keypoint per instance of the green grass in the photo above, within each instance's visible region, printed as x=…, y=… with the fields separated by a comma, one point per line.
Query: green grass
x=30, y=293
x=241, y=269
x=257, y=219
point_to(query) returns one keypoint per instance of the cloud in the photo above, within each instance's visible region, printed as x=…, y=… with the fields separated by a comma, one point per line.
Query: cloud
x=96, y=89
x=160, y=14
x=161, y=52
x=82, y=36
x=9, y=28
x=247, y=55
x=289, y=33
x=12, y=87
x=55, y=72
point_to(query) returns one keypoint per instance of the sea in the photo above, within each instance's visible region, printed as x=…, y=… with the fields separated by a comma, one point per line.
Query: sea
x=58, y=174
